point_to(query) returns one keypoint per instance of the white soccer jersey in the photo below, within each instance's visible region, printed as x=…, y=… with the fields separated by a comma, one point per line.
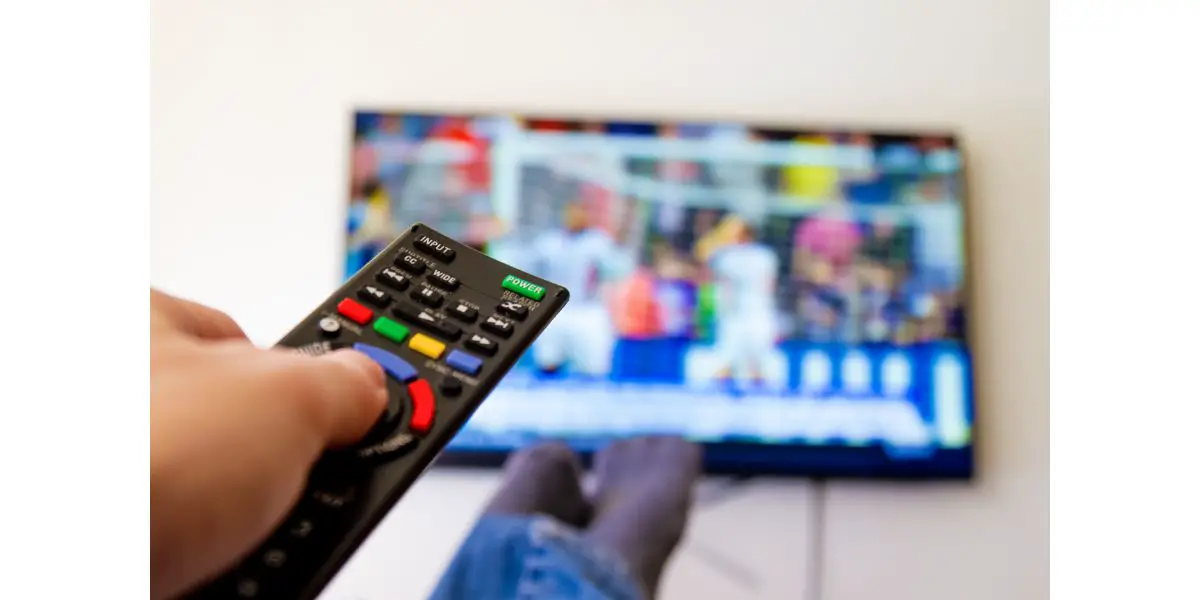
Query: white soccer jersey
x=576, y=261
x=745, y=276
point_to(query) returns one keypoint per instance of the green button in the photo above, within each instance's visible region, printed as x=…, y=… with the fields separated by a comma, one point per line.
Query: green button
x=391, y=329
x=524, y=288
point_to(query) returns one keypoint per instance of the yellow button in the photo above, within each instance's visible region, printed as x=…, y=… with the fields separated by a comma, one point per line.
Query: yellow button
x=426, y=345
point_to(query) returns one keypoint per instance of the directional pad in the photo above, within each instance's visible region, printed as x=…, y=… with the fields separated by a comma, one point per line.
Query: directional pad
x=393, y=365
x=420, y=396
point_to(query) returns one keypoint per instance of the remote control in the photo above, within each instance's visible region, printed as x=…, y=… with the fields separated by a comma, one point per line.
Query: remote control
x=445, y=322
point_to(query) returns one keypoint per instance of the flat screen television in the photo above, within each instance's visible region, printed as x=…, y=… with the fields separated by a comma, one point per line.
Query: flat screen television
x=792, y=298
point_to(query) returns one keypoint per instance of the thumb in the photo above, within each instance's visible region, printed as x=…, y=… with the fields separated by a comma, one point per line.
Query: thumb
x=349, y=392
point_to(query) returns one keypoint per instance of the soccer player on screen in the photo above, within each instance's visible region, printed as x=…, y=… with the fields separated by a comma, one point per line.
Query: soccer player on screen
x=580, y=256
x=745, y=273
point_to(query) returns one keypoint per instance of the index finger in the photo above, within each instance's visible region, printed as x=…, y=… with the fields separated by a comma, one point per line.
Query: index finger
x=193, y=318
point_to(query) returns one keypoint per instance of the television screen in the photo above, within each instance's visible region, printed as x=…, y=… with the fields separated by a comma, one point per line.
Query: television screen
x=791, y=298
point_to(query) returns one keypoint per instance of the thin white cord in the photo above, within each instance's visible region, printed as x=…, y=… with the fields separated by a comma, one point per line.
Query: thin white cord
x=814, y=585
x=743, y=575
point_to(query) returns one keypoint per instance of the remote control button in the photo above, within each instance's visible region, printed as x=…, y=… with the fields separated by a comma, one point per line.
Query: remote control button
x=335, y=500
x=393, y=279
x=450, y=387
x=247, y=588
x=391, y=329
x=387, y=422
x=354, y=311
x=427, y=296
x=332, y=495
x=410, y=263
x=274, y=558
x=515, y=310
x=427, y=320
x=463, y=312
x=439, y=326
x=330, y=327
x=393, y=365
x=447, y=329
x=427, y=346
x=374, y=295
x=301, y=529
x=461, y=361
x=443, y=280
x=406, y=311
x=423, y=406
x=434, y=248
x=389, y=419
x=528, y=289
x=499, y=326
x=397, y=444
x=482, y=344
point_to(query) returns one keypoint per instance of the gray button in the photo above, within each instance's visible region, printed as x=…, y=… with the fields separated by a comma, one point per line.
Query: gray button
x=302, y=528
x=330, y=326
x=333, y=499
x=247, y=588
x=274, y=558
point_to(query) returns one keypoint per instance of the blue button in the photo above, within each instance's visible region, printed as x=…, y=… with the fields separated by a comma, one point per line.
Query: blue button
x=394, y=365
x=461, y=361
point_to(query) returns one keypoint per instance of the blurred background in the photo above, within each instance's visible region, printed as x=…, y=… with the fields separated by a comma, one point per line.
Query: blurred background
x=255, y=141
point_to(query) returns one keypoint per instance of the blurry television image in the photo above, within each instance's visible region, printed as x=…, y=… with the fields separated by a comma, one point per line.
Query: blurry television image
x=793, y=299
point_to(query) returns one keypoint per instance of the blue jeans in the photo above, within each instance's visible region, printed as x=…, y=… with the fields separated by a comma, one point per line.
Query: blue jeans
x=516, y=557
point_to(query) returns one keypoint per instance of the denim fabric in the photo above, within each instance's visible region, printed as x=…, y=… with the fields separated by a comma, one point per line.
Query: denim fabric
x=536, y=558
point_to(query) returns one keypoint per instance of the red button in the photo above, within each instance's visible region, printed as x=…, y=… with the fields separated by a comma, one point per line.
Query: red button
x=423, y=404
x=354, y=311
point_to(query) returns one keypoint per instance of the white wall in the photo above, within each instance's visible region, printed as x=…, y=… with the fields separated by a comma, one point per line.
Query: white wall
x=251, y=122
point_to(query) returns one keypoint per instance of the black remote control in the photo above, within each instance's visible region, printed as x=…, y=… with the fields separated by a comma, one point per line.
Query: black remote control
x=446, y=322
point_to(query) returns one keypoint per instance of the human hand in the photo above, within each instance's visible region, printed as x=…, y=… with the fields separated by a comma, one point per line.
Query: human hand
x=234, y=431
